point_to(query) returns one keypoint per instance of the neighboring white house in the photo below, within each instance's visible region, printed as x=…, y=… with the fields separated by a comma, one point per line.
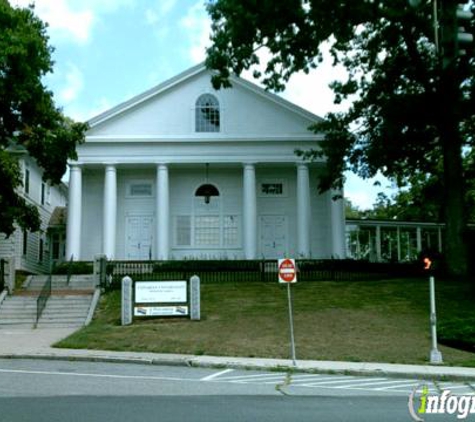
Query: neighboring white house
x=32, y=251
x=184, y=171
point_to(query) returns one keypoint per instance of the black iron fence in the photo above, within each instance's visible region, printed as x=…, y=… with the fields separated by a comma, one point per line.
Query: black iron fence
x=235, y=271
x=2, y=274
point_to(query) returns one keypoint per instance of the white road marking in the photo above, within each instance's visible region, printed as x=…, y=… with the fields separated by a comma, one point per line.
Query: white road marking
x=323, y=383
x=79, y=374
x=216, y=375
x=381, y=381
x=323, y=380
x=250, y=378
x=408, y=384
x=299, y=379
x=453, y=387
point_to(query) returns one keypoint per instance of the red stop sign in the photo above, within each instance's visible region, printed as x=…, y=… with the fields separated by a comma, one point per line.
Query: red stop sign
x=287, y=271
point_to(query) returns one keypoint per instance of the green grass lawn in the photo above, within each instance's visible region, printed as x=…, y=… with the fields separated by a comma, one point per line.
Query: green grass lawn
x=379, y=321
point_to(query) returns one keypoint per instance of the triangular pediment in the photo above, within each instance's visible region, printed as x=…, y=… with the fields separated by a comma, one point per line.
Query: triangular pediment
x=168, y=111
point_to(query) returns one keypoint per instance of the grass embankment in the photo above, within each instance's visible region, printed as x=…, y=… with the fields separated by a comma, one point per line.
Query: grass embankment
x=386, y=321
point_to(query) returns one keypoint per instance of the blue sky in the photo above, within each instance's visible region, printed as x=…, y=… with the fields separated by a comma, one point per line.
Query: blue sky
x=107, y=51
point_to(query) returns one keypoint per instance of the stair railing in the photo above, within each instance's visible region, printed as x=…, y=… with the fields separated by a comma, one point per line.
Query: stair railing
x=44, y=295
x=2, y=274
x=69, y=270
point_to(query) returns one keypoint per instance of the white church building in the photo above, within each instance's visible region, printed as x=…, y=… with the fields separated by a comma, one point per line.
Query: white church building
x=186, y=172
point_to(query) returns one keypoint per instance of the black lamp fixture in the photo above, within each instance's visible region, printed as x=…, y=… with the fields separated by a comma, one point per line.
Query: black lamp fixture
x=207, y=190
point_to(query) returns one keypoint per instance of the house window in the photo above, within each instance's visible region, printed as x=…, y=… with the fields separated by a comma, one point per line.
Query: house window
x=183, y=230
x=207, y=117
x=55, y=246
x=207, y=226
x=207, y=230
x=271, y=188
x=140, y=189
x=230, y=230
x=43, y=193
x=25, y=242
x=41, y=248
x=27, y=180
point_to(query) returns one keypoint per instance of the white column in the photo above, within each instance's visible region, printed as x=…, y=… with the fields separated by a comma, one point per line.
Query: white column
x=250, y=211
x=163, y=212
x=73, y=229
x=110, y=211
x=378, y=244
x=419, y=239
x=303, y=211
x=338, y=225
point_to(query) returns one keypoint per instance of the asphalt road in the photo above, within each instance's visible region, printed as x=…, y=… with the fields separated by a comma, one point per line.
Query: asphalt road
x=36, y=390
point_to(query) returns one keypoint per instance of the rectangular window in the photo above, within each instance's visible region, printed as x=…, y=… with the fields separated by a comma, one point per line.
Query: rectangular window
x=27, y=180
x=43, y=193
x=207, y=230
x=230, y=231
x=270, y=188
x=140, y=189
x=25, y=242
x=41, y=250
x=183, y=230
x=55, y=246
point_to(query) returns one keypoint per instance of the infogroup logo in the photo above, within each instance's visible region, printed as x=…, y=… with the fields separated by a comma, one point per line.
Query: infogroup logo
x=422, y=403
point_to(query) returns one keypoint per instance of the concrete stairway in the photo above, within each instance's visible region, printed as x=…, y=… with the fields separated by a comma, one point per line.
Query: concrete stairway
x=68, y=306
x=58, y=282
x=18, y=311
x=65, y=311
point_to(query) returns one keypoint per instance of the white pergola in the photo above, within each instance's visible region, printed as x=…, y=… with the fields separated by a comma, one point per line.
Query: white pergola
x=396, y=241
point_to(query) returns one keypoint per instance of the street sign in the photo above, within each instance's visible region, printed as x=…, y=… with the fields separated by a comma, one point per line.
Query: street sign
x=287, y=271
x=288, y=275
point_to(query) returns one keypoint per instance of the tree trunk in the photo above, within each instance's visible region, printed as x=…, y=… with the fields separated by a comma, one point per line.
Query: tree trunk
x=455, y=246
x=454, y=181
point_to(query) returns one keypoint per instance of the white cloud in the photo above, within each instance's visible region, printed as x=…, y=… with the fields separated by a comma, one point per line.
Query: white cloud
x=82, y=114
x=364, y=192
x=151, y=16
x=104, y=6
x=70, y=20
x=197, y=24
x=161, y=9
x=74, y=85
x=309, y=91
x=63, y=20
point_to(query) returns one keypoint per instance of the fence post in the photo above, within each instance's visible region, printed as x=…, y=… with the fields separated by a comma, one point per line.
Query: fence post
x=100, y=262
x=195, y=301
x=8, y=274
x=126, y=314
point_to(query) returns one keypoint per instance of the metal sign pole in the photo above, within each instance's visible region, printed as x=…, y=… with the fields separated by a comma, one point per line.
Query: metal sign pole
x=291, y=323
x=435, y=355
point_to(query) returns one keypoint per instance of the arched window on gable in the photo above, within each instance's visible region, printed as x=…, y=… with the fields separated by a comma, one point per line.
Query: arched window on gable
x=207, y=117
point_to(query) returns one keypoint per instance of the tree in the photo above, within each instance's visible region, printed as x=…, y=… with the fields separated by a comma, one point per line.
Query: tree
x=408, y=112
x=29, y=120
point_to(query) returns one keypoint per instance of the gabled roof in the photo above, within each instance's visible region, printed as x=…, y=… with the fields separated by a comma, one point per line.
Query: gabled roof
x=182, y=77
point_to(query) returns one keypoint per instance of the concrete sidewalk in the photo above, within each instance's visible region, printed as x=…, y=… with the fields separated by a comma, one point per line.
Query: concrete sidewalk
x=36, y=344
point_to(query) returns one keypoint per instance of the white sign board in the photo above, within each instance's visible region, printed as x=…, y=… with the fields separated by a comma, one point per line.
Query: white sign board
x=160, y=292
x=146, y=311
